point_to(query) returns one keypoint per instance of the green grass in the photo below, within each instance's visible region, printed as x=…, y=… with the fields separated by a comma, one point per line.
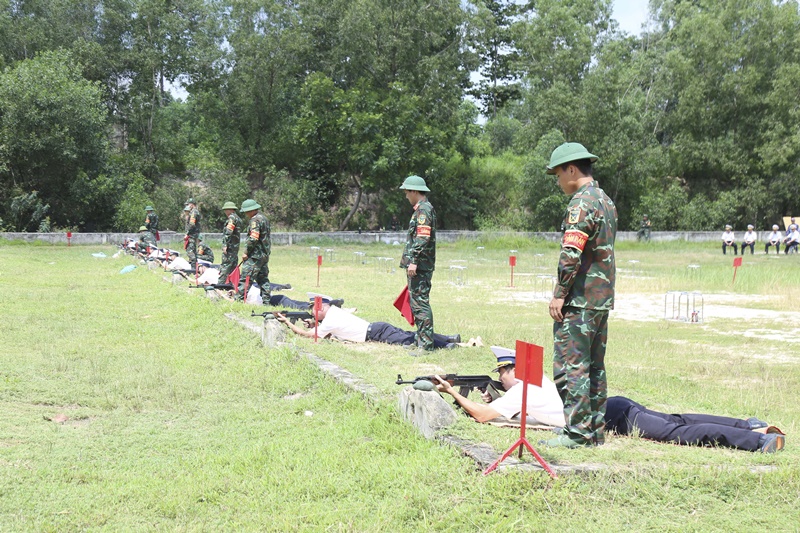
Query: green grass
x=180, y=420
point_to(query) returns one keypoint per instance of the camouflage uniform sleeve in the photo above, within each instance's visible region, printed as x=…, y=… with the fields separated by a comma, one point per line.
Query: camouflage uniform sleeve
x=227, y=230
x=422, y=234
x=267, y=238
x=253, y=236
x=579, y=228
x=193, y=223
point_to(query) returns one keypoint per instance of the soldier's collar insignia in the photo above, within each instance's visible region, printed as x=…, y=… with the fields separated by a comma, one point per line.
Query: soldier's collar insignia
x=574, y=215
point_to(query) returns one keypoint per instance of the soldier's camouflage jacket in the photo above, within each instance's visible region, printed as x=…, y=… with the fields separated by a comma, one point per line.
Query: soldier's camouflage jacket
x=231, y=233
x=421, y=241
x=586, y=268
x=257, y=245
x=204, y=252
x=193, y=223
x=151, y=222
x=146, y=238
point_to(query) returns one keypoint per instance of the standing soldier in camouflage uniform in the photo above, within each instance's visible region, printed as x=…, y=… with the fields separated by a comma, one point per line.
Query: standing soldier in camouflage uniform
x=231, y=235
x=419, y=258
x=192, y=229
x=583, y=296
x=151, y=221
x=255, y=259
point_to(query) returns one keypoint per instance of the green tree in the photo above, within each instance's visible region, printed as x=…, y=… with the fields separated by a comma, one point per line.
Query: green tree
x=52, y=130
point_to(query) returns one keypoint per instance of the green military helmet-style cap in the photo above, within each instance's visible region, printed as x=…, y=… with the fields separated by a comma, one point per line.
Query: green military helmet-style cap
x=250, y=205
x=187, y=208
x=414, y=183
x=149, y=208
x=142, y=228
x=568, y=152
x=190, y=201
x=229, y=205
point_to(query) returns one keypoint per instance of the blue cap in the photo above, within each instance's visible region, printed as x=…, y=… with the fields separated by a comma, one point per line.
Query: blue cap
x=505, y=357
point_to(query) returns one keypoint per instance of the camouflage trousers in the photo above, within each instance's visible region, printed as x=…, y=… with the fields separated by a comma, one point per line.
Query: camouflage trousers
x=191, y=249
x=229, y=261
x=254, y=271
x=579, y=349
x=419, y=292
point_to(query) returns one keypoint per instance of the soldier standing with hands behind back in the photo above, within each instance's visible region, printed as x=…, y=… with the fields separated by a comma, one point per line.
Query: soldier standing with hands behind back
x=151, y=221
x=257, y=247
x=231, y=235
x=192, y=230
x=583, y=296
x=419, y=258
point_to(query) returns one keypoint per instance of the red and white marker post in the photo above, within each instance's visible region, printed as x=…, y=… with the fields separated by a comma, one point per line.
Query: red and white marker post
x=528, y=368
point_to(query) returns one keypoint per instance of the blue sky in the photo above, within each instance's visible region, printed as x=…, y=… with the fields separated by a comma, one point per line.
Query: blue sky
x=630, y=14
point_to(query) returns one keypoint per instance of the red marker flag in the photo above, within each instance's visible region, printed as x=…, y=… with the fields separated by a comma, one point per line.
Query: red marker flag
x=319, y=265
x=69, y=238
x=234, y=277
x=512, y=261
x=528, y=368
x=317, y=308
x=737, y=262
x=403, y=304
x=529, y=363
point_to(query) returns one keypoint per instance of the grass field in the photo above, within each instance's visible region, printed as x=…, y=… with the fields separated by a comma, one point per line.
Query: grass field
x=129, y=404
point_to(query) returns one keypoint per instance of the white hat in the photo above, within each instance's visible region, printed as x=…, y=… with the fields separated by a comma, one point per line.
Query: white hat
x=775, y=227
x=505, y=357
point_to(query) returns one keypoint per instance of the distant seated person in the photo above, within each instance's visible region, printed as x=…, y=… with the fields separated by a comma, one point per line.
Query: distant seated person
x=728, y=239
x=774, y=239
x=146, y=240
x=625, y=417
x=791, y=240
x=340, y=324
x=644, y=229
x=749, y=239
x=204, y=251
x=543, y=403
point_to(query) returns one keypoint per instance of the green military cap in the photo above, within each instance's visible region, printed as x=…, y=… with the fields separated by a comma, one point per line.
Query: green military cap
x=187, y=208
x=142, y=228
x=250, y=205
x=414, y=183
x=190, y=201
x=149, y=208
x=568, y=152
x=229, y=205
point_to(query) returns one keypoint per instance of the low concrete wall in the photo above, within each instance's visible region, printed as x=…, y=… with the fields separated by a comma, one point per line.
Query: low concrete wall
x=387, y=237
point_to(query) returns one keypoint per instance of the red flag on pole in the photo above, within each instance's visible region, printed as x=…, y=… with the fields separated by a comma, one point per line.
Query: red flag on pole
x=69, y=238
x=317, y=308
x=234, y=277
x=737, y=262
x=319, y=264
x=528, y=368
x=512, y=261
x=403, y=304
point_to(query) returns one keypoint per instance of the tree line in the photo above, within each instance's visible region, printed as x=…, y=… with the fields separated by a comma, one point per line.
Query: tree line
x=319, y=109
